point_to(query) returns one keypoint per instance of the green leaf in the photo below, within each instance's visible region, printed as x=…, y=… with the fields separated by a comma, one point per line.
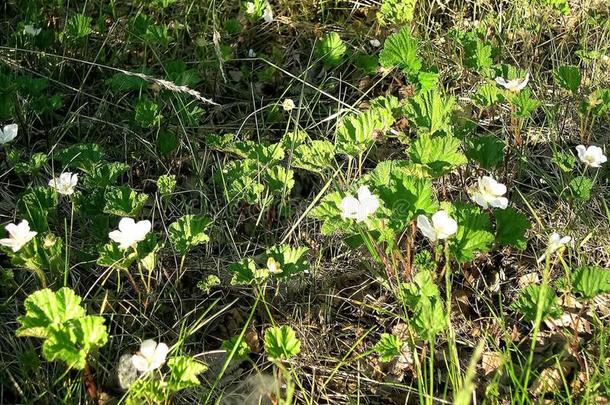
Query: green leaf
x=35, y=206
x=73, y=340
x=400, y=50
x=83, y=156
x=478, y=52
x=366, y=63
x=474, y=233
x=243, y=271
x=568, y=77
x=146, y=251
x=356, y=132
x=122, y=82
x=388, y=347
x=281, y=343
x=422, y=286
x=315, y=157
x=188, y=232
x=524, y=104
x=208, y=283
x=124, y=202
x=167, y=142
x=440, y=154
x=329, y=213
x=527, y=302
x=112, y=256
x=280, y=180
x=565, y=161
x=396, y=11
x=430, y=110
x=511, y=226
x=33, y=166
x=330, y=49
x=147, y=113
x=183, y=373
x=105, y=174
x=581, y=187
x=590, y=281
x=292, y=260
x=488, y=151
x=240, y=181
x=487, y=95
x=166, y=184
x=406, y=197
x=45, y=308
x=597, y=103
x=78, y=27
x=43, y=255
x=243, y=350
x=431, y=319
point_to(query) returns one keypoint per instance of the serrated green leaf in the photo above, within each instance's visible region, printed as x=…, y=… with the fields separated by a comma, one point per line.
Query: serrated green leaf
x=590, y=281
x=73, y=340
x=292, y=260
x=430, y=110
x=356, y=132
x=45, y=308
x=511, y=226
x=241, y=352
x=183, y=373
x=112, y=256
x=279, y=180
x=330, y=49
x=388, y=347
x=487, y=95
x=440, y=153
x=124, y=201
x=400, y=50
x=474, y=233
x=527, y=302
x=488, y=151
x=83, y=156
x=243, y=271
x=105, y=174
x=315, y=157
x=188, y=232
x=568, y=77
x=396, y=11
x=281, y=343
x=581, y=187
x=166, y=184
x=35, y=206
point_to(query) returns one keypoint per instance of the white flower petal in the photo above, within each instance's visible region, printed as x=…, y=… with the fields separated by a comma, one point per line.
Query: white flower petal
x=140, y=363
x=424, y=225
x=8, y=133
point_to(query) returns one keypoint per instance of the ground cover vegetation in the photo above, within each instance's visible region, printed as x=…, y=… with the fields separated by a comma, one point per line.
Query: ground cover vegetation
x=246, y=202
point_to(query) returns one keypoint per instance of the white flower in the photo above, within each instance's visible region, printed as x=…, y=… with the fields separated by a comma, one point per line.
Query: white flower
x=375, y=43
x=268, y=14
x=20, y=235
x=250, y=8
x=488, y=193
x=593, y=156
x=251, y=53
x=31, y=30
x=65, y=183
x=288, y=104
x=359, y=208
x=130, y=232
x=8, y=133
x=514, y=85
x=441, y=227
x=556, y=241
x=150, y=357
x=273, y=266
